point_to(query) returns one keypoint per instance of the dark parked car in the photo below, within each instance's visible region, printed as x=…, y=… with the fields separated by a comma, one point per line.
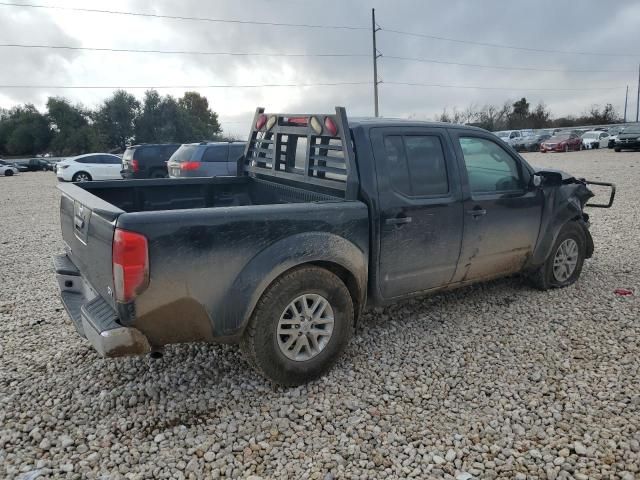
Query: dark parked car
x=562, y=142
x=33, y=165
x=629, y=139
x=147, y=161
x=327, y=218
x=206, y=159
x=530, y=143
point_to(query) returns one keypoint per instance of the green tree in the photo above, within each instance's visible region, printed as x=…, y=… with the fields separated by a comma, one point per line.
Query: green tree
x=72, y=132
x=115, y=120
x=540, y=117
x=519, y=114
x=24, y=131
x=201, y=122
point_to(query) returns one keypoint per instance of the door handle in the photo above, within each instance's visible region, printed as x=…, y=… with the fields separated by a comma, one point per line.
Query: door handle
x=399, y=220
x=477, y=212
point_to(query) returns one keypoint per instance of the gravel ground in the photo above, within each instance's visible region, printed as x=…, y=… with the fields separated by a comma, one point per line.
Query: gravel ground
x=492, y=381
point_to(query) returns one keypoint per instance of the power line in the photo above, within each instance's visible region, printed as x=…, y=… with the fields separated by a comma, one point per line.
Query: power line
x=512, y=47
x=482, y=87
x=179, y=17
x=500, y=67
x=131, y=87
x=184, y=52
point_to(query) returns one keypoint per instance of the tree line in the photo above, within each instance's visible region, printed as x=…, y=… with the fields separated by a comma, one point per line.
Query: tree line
x=70, y=129
x=520, y=114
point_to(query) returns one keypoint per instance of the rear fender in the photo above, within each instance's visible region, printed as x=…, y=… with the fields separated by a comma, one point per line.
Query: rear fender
x=232, y=316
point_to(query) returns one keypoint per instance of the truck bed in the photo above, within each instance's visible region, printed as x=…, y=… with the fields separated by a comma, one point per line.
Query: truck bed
x=174, y=194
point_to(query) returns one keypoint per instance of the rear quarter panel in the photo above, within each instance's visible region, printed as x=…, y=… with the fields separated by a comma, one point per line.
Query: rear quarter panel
x=209, y=267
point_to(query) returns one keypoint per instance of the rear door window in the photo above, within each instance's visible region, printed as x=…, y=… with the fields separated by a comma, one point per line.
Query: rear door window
x=184, y=154
x=416, y=165
x=111, y=159
x=216, y=153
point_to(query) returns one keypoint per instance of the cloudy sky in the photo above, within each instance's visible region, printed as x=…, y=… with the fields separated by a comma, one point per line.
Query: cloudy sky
x=589, y=26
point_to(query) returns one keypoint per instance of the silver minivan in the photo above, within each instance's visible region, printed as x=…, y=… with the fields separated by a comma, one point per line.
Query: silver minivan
x=206, y=159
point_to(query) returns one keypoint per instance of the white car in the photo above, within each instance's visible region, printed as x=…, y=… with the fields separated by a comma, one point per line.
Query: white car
x=509, y=136
x=91, y=166
x=595, y=139
x=7, y=169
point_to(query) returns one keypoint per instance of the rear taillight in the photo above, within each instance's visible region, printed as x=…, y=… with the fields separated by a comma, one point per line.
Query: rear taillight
x=189, y=165
x=134, y=165
x=130, y=264
x=331, y=126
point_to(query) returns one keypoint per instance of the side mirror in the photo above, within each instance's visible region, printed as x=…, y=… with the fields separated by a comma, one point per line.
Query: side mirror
x=536, y=181
x=548, y=178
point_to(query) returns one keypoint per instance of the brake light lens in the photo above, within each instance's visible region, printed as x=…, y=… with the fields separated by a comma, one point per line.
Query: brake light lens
x=134, y=165
x=297, y=121
x=189, y=165
x=331, y=126
x=130, y=257
x=262, y=119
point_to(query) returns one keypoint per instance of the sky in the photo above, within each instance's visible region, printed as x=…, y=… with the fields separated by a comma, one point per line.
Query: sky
x=608, y=29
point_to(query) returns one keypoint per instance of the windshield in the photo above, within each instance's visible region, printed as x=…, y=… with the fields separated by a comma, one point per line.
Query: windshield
x=184, y=153
x=563, y=136
x=632, y=129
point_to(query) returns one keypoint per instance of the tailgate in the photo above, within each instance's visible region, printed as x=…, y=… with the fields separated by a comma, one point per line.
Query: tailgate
x=88, y=225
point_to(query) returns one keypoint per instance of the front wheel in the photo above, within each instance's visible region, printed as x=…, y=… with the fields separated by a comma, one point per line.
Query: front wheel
x=300, y=326
x=8, y=173
x=564, y=265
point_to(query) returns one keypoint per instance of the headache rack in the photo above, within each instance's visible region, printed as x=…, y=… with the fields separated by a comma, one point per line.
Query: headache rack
x=314, y=149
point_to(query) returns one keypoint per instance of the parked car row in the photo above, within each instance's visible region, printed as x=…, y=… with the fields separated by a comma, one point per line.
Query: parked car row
x=204, y=159
x=548, y=140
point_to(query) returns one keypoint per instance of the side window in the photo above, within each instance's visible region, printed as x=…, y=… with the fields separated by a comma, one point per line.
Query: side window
x=217, y=153
x=427, y=166
x=235, y=152
x=416, y=165
x=490, y=168
x=111, y=160
x=92, y=159
x=396, y=164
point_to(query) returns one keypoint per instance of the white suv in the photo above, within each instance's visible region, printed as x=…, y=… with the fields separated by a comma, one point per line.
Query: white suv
x=92, y=166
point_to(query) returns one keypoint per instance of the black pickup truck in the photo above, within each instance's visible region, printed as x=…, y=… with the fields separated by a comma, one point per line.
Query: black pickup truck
x=326, y=218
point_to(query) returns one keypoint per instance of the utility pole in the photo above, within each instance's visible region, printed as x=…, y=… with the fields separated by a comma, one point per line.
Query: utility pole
x=626, y=97
x=376, y=55
x=638, y=100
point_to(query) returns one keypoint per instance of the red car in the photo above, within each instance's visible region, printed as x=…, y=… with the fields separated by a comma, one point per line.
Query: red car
x=562, y=142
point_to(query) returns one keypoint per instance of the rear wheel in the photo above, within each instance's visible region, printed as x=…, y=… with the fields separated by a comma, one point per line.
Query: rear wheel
x=616, y=150
x=8, y=173
x=81, y=177
x=300, y=326
x=564, y=265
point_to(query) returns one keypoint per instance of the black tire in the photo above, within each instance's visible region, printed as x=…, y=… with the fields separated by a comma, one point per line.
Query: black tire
x=158, y=174
x=259, y=342
x=617, y=149
x=8, y=173
x=544, y=278
x=81, y=177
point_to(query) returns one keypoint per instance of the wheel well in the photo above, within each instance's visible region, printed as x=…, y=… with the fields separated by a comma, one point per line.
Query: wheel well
x=82, y=171
x=349, y=280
